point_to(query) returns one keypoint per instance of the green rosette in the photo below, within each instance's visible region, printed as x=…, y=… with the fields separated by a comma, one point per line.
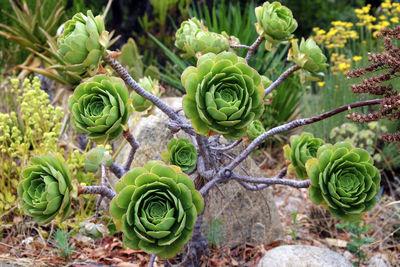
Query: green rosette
x=224, y=95
x=275, y=23
x=181, y=153
x=99, y=108
x=83, y=43
x=45, y=188
x=301, y=149
x=156, y=208
x=140, y=103
x=255, y=130
x=344, y=179
x=308, y=56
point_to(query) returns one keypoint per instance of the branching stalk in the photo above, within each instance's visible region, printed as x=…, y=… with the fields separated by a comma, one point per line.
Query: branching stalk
x=281, y=78
x=129, y=81
x=253, y=48
x=97, y=189
x=134, y=146
x=291, y=125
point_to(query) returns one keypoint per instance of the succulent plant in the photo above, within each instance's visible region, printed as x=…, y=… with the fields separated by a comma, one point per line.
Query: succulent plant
x=301, y=149
x=255, y=129
x=99, y=108
x=181, y=153
x=224, y=95
x=96, y=157
x=45, y=188
x=156, y=207
x=308, y=56
x=275, y=23
x=83, y=42
x=140, y=103
x=195, y=39
x=344, y=179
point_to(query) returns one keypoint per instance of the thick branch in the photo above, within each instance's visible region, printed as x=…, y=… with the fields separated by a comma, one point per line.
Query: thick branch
x=271, y=181
x=241, y=46
x=117, y=170
x=281, y=78
x=224, y=148
x=134, y=146
x=253, y=48
x=101, y=190
x=152, y=259
x=291, y=125
x=129, y=81
x=204, y=190
x=202, y=142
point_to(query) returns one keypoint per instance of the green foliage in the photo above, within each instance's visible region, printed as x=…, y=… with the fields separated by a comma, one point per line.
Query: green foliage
x=308, y=56
x=96, y=157
x=254, y=130
x=357, y=231
x=214, y=231
x=301, y=149
x=345, y=179
x=296, y=225
x=226, y=106
x=45, y=188
x=32, y=127
x=275, y=23
x=140, y=103
x=195, y=39
x=181, y=153
x=82, y=43
x=156, y=207
x=282, y=105
x=131, y=60
x=62, y=244
x=99, y=107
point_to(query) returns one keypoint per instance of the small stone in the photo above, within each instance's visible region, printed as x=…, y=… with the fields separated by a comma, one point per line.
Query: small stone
x=379, y=260
x=302, y=256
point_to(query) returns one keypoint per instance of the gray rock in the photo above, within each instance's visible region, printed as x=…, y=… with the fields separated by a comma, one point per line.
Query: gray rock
x=246, y=216
x=302, y=256
x=379, y=260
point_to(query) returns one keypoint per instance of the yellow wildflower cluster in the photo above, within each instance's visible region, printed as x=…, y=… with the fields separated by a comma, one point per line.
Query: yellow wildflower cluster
x=390, y=17
x=339, y=63
x=337, y=36
x=32, y=129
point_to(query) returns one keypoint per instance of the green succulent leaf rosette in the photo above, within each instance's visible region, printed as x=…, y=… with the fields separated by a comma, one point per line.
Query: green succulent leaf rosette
x=99, y=108
x=224, y=95
x=83, y=42
x=45, y=188
x=275, y=23
x=308, y=56
x=140, y=103
x=255, y=130
x=96, y=157
x=156, y=207
x=343, y=178
x=301, y=149
x=181, y=153
x=195, y=39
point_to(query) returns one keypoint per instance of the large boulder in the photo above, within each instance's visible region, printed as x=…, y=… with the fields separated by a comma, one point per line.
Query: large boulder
x=303, y=256
x=243, y=216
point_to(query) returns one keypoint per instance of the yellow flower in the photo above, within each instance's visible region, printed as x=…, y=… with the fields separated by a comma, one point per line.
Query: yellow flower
x=395, y=19
x=357, y=58
x=320, y=84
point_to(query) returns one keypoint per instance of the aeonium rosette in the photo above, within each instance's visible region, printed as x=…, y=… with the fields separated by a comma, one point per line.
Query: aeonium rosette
x=308, y=56
x=344, y=179
x=83, y=42
x=255, y=130
x=156, y=207
x=275, y=23
x=302, y=148
x=181, y=153
x=99, y=108
x=224, y=95
x=45, y=188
